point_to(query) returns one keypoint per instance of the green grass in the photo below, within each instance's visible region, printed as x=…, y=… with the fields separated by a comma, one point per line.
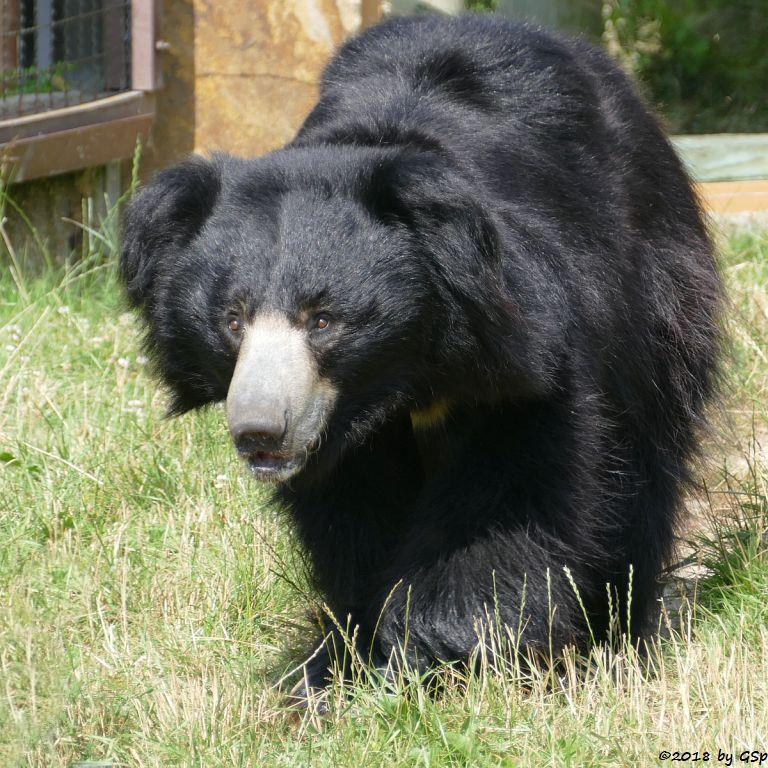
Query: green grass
x=33, y=80
x=149, y=593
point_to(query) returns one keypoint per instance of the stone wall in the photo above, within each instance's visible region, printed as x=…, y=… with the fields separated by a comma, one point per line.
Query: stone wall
x=241, y=75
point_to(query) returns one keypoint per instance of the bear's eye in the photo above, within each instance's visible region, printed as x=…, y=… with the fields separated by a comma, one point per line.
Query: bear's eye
x=234, y=325
x=321, y=322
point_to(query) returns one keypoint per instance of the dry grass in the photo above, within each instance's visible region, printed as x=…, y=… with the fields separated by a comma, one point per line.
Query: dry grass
x=149, y=592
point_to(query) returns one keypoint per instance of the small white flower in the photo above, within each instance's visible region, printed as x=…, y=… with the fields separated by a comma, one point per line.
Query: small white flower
x=142, y=359
x=10, y=347
x=63, y=309
x=123, y=362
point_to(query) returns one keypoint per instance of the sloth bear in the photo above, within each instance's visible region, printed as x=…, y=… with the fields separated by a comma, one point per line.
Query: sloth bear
x=466, y=323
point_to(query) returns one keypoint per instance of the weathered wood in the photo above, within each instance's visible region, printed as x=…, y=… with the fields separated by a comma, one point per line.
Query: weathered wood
x=9, y=40
x=81, y=138
x=144, y=74
x=730, y=197
x=129, y=104
x=724, y=156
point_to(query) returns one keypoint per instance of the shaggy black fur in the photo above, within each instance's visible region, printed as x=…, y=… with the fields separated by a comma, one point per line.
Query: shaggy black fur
x=504, y=235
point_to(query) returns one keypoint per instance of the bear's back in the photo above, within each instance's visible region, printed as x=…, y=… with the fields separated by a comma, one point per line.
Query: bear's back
x=460, y=75
x=518, y=108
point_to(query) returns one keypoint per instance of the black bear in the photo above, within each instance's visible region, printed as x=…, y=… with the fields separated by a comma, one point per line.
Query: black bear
x=466, y=322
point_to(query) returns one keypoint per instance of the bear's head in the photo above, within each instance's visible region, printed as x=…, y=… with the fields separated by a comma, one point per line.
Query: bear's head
x=319, y=292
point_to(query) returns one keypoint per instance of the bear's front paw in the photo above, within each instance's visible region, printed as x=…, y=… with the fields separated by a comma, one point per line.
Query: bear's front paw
x=311, y=691
x=305, y=697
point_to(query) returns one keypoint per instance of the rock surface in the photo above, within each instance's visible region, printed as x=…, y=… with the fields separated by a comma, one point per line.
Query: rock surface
x=240, y=76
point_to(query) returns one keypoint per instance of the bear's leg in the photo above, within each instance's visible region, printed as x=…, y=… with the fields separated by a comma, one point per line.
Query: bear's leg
x=508, y=534
x=351, y=522
x=443, y=603
x=333, y=652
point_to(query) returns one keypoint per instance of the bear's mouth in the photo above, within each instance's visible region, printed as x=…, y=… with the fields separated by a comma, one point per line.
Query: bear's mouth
x=271, y=467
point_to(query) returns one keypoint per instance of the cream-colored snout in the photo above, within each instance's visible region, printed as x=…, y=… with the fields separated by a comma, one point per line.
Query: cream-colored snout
x=277, y=403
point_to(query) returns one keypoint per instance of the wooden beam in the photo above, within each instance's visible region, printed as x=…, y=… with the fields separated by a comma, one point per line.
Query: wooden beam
x=144, y=75
x=9, y=41
x=128, y=104
x=728, y=197
x=65, y=143
x=724, y=156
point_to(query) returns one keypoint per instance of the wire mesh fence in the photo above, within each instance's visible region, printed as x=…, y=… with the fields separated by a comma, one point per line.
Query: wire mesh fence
x=57, y=53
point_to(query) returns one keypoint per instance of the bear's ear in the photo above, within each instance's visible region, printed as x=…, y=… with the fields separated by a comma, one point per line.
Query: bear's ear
x=164, y=216
x=441, y=207
x=460, y=239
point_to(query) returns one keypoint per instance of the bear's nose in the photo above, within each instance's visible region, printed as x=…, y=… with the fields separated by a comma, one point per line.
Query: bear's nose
x=259, y=436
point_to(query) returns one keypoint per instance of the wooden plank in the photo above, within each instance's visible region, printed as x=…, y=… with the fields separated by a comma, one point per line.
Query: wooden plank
x=726, y=197
x=9, y=42
x=144, y=76
x=131, y=103
x=724, y=156
x=73, y=149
